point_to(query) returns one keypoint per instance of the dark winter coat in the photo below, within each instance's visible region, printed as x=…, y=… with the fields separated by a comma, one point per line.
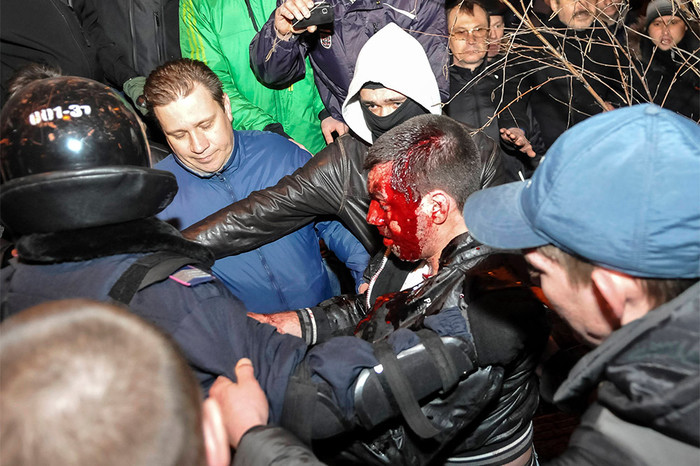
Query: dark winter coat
x=648, y=378
x=558, y=100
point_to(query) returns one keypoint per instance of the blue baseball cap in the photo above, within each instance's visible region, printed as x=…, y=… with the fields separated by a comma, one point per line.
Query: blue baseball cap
x=621, y=189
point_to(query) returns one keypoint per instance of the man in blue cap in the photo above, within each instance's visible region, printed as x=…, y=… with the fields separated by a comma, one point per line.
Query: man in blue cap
x=610, y=222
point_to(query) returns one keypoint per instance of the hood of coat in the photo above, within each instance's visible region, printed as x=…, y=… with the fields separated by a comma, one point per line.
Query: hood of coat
x=395, y=59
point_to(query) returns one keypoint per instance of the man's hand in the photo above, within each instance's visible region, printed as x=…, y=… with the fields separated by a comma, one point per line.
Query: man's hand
x=285, y=322
x=517, y=137
x=243, y=404
x=289, y=13
x=329, y=125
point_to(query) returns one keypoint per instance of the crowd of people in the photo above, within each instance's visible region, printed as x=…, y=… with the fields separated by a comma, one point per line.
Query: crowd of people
x=261, y=241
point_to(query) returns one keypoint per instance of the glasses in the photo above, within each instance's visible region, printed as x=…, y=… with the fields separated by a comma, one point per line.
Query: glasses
x=477, y=33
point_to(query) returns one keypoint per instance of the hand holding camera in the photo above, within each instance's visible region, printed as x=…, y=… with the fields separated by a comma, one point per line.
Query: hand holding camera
x=297, y=16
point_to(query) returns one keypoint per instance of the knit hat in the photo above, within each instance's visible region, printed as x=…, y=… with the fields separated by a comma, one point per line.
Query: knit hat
x=662, y=8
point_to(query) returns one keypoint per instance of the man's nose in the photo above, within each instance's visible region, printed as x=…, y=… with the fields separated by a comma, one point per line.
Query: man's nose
x=198, y=142
x=375, y=214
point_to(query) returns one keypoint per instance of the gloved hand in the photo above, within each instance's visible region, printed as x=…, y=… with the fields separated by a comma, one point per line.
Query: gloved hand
x=133, y=88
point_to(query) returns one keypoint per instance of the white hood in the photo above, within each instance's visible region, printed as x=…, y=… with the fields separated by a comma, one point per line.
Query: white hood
x=395, y=59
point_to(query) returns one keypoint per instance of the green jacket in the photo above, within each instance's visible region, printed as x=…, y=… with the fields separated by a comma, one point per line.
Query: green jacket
x=218, y=32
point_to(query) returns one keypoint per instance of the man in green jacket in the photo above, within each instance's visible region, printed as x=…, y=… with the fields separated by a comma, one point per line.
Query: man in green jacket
x=218, y=32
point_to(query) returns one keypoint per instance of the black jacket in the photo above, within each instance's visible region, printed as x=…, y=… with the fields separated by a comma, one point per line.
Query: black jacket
x=558, y=100
x=647, y=376
x=666, y=79
x=505, y=323
x=46, y=32
x=474, y=98
x=271, y=445
x=332, y=183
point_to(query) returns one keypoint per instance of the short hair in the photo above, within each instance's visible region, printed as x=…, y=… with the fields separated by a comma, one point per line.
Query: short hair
x=28, y=74
x=467, y=6
x=578, y=271
x=87, y=383
x=177, y=78
x=429, y=152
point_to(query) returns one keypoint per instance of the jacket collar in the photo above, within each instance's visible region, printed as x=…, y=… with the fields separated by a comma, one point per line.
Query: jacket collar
x=138, y=236
x=232, y=163
x=463, y=248
x=590, y=369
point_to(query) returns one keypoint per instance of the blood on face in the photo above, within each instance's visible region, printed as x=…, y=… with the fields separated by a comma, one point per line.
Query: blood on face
x=396, y=214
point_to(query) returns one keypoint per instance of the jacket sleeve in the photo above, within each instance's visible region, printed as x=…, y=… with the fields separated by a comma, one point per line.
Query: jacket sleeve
x=513, y=113
x=271, y=445
x=346, y=248
x=115, y=66
x=492, y=170
x=277, y=62
x=267, y=215
x=199, y=41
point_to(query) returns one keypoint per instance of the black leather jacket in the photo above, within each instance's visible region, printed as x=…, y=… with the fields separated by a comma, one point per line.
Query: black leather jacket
x=506, y=326
x=333, y=183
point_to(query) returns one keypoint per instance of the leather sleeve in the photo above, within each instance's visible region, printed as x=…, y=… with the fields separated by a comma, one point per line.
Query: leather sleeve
x=493, y=172
x=333, y=317
x=271, y=445
x=315, y=189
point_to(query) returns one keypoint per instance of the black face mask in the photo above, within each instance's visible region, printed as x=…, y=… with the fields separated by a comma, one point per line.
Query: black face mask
x=379, y=125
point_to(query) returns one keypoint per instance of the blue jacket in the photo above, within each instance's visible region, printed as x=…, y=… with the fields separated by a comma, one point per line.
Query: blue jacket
x=208, y=323
x=285, y=274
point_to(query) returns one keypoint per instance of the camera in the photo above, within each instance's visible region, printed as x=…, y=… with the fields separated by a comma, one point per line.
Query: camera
x=321, y=13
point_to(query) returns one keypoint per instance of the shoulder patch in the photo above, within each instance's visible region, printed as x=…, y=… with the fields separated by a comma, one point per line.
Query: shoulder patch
x=191, y=276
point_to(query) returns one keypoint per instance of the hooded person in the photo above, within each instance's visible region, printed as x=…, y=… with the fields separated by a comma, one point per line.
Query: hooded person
x=334, y=182
x=374, y=72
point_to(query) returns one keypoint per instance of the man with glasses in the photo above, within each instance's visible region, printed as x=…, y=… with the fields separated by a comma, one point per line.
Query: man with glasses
x=473, y=78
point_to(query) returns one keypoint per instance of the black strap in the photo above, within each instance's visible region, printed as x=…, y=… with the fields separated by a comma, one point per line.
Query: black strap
x=402, y=392
x=252, y=17
x=299, y=400
x=146, y=271
x=443, y=362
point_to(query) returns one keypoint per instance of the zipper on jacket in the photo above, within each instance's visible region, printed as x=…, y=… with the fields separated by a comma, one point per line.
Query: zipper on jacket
x=160, y=39
x=374, y=278
x=132, y=34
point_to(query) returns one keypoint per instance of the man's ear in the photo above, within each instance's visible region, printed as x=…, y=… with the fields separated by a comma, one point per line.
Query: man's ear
x=623, y=294
x=440, y=206
x=227, y=108
x=216, y=445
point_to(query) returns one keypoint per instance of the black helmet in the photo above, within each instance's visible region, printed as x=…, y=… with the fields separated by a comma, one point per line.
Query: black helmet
x=74, y=155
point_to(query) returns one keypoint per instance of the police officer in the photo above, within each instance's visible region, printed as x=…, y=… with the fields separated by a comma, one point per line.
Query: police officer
x=79, y=197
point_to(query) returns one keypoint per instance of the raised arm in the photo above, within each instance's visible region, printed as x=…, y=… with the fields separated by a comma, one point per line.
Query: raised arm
x=331, y=183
